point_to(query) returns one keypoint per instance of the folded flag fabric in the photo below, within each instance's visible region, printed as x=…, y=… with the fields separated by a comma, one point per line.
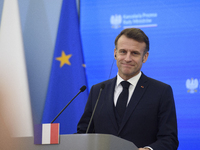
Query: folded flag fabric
x=67, y=73
x=46, y=133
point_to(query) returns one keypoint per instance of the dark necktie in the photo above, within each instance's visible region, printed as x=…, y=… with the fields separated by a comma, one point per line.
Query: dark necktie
x=122, y=99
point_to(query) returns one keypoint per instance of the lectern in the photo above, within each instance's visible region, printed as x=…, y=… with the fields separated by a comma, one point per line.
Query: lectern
x=79, y=142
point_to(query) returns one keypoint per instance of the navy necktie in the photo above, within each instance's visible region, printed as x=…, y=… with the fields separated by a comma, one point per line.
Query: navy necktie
x=122, y=99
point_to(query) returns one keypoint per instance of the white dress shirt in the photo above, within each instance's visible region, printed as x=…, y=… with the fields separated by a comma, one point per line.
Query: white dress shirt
x=118, y=87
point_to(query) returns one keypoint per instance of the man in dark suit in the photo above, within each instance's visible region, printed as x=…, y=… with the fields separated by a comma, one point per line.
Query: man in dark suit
x=149, y=117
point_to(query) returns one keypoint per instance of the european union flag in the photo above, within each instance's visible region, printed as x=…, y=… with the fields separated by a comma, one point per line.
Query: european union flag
x=67, y=73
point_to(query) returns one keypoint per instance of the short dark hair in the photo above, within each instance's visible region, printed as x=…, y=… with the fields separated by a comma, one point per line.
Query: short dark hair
x=135, y=34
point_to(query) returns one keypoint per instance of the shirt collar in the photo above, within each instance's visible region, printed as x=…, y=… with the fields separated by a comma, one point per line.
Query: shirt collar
x=133, y=81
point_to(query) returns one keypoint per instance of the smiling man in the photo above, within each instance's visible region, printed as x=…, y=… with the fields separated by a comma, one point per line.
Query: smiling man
x=130, y=55
x=133, y=106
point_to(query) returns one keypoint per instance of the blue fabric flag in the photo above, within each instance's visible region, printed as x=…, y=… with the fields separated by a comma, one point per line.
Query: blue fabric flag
x=67, y=73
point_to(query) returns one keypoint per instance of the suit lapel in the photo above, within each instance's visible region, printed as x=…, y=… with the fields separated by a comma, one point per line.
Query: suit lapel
x=110, y=101
x=135, y=98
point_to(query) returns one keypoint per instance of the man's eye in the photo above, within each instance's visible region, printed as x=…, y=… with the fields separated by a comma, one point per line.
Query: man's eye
x=135, y=53
x=122, y=51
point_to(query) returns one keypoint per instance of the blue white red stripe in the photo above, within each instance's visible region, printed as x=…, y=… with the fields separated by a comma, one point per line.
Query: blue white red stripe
x=46, y=133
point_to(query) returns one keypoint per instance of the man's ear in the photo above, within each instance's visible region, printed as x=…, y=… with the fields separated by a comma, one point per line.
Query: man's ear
x=115, y=53
x=145, y=57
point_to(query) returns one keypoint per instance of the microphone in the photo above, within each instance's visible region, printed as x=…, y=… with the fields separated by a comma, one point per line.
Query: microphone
x=102, y=87
x=81, y=90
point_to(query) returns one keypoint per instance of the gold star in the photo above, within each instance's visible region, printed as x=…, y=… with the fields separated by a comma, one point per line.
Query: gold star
x=64, y=59
x=84, y=65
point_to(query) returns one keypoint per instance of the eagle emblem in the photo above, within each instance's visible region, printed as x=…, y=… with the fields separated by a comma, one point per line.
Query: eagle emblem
x=192, y=85
x=115, y=21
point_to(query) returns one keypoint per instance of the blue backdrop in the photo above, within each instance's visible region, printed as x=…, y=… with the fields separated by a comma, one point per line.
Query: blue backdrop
x=174, y=31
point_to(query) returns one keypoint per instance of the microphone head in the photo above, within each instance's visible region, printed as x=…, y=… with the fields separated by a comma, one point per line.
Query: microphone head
x=102, y=86
x=83, y=88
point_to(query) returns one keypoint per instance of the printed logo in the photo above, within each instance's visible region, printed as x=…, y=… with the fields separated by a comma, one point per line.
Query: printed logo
x=116, y=21
x=192, y=85
x=136, y=20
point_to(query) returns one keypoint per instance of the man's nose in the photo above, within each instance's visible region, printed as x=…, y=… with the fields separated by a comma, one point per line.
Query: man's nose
x=128, y=56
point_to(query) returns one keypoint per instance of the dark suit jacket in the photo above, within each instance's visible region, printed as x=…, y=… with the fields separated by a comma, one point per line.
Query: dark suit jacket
x=149, y=120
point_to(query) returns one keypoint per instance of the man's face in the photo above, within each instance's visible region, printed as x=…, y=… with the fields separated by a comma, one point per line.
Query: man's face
x=130, y=57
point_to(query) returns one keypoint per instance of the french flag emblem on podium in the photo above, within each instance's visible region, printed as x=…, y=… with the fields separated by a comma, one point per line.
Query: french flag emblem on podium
x=46, y=133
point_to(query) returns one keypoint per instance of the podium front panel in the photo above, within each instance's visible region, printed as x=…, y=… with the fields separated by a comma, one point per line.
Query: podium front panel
x=78, y=142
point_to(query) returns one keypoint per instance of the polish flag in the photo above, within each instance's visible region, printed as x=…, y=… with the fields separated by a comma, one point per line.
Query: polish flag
x=15, y=104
